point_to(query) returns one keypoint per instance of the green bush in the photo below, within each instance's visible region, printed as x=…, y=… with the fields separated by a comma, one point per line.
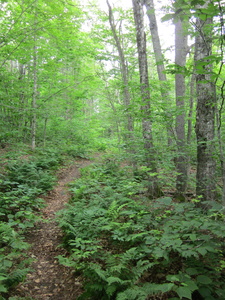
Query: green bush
x=76, y=151
x=20, y=186
x=19, y=190
x=48, y=159
x=130, y=250
x=29, y=173
x=13, y=261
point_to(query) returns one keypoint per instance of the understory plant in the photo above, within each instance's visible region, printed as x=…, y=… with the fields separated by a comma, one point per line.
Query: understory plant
x=14, y=263
x=21, y=184
x=130, y=248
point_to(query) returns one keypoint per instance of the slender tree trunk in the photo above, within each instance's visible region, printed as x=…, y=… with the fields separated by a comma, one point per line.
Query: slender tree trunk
x=191, y=104
x=221, y=153
x=34, y=101
x=190, y=116
x=180, y=61
x=160, y=64
x=220, y=132
x=145, y=94
x=205, y=117
x=35, y=91
x=123, y=69
x=22, y=97
x=110, y=97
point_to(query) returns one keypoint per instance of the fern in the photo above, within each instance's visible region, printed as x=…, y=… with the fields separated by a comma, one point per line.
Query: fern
x=144, y=291
x=129, y=250
x=13, y=265
x=22, y=182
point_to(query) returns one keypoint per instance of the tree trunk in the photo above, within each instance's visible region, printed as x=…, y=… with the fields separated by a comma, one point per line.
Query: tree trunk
x=34, y=102
x=21, y=96
x=205, y=116
x=191, y=104
x=45, y=131
x=154, y=190
x=124, y=71
x=180, y=61
x=111, y=99
x=35, y=91
x=221, y=152
x=159, y=63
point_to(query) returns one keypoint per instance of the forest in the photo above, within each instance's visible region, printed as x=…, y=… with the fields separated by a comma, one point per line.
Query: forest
x=112, y=150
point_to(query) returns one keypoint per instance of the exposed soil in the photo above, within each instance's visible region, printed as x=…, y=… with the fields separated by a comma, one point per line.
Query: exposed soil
x=49, y=279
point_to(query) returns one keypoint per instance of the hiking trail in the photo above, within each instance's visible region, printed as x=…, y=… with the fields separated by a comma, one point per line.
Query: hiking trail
x=49, y=279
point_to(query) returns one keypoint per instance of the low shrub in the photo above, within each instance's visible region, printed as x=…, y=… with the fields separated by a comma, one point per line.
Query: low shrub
x=19, y=191
x=13, y=262
x=126, y=249
x=29, y=173
x=77, y=151
x=23, y=181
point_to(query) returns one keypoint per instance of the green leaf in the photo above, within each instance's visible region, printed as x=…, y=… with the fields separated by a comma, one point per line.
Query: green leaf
x=203, y=279
x=193, y=237
x=7, y=263
x=156, y=288
x=192, y=271
x=202, y=251
x=113, y=279
x=205, y=292
x=165, y=287
x=184, y=292
x=191, y=285
x=164, y=201
x=203, y=17
x=2, y=289
x=172, y=278
x=167, y=17
x=197, y=2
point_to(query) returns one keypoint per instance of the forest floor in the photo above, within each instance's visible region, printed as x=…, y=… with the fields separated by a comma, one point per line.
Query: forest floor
x=49, y=279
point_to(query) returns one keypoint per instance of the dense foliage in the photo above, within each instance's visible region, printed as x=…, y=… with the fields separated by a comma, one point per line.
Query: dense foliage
x=128, y=249
x=70, y=79
x=21, y=184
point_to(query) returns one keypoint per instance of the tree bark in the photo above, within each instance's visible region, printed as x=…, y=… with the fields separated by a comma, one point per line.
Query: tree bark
x=205, y=116
x=124, y=71
x=180, y=61
x=191, y=104
x=160, y=64
x=21, y=95
x=154, y=190
x=35, y=90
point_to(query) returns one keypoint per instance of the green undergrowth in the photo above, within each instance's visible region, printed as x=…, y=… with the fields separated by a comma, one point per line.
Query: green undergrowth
x=24, y=179
x=128, y=247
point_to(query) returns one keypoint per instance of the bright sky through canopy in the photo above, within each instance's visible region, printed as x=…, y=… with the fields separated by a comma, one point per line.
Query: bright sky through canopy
x=166, y=29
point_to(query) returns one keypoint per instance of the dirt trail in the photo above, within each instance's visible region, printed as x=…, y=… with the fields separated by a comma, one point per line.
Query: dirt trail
x=50, y=280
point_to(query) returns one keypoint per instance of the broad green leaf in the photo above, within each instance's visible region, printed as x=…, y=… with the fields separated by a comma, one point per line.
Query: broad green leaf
x=203, y=279
x=155, y=288
x=193, y=237
x=164, y=201
x=184, y=292
x=2, y=289
x=192, y=271
x=165, y=287
x=2, y=277
x=7, y=263
x=167, y=17
x=172, y=278
x=191, y=285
